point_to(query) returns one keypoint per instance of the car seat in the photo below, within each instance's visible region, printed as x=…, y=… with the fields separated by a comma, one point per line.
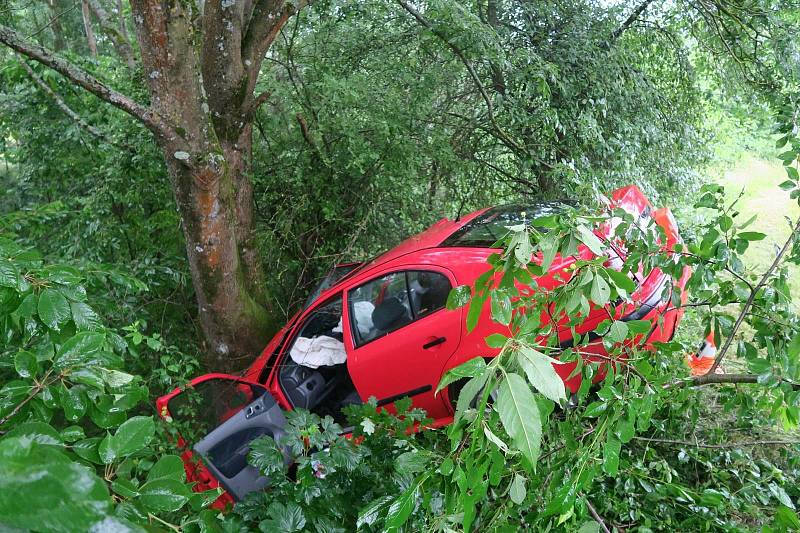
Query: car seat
x=390, y=314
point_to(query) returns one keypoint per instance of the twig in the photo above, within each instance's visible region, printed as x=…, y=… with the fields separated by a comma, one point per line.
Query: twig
x=720, y=446
x=596, y=516
x=715, y=379
x=751, y=299
x=630, y=20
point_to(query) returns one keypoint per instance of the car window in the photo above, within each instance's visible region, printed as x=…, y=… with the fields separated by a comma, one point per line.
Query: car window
x=428, y=292
x=390, y=302
x=332, y=278
x=379, y=307
x=491, y=226
x=209, y=403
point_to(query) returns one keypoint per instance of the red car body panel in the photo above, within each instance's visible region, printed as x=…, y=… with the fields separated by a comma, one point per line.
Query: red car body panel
x=407, y=361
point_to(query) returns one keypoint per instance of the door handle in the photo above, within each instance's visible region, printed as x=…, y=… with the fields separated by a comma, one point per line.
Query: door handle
x=434, y=342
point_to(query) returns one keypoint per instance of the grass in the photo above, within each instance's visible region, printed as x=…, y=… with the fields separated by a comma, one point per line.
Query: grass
x=756, y=180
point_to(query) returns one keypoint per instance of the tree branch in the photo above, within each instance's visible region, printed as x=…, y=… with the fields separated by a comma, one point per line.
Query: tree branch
x=717, y=379
x=751, y=299
x=630, y=20
x=121, y=41
x=720, y=446
x=502, y=135
x=61, y=104
x=143, y=114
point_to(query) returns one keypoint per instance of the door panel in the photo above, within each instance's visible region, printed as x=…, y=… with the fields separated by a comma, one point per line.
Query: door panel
x=218, y=416
x=399, y=347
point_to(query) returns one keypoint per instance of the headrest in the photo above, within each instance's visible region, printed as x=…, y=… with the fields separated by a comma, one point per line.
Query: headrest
x=388, y=313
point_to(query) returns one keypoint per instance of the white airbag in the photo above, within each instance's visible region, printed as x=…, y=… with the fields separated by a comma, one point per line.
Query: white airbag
x=318, y=351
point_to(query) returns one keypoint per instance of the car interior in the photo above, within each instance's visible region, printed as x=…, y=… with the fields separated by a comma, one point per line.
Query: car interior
x=308, y=378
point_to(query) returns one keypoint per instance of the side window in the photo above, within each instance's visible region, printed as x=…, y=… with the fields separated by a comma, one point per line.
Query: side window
x=379, y=306
x=393, y=301
x=429, y=291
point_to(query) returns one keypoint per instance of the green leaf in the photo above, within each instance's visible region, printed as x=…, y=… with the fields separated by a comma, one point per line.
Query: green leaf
x=611, y=456
x=501, y=308
x=517, y=490
x=549, y=247
x=53, y=309
x=133, y=435
x=474, y=312
x=520, y=416
x=164, y=495
x=26, y=364
x=469, y=369
x=459, y=297
x=72, y=433
x=284, y=518
x=167, y=466
x=80, y=348
x=587, y=237
x=751, y=235
x=468, y=393
x=74, y=402
x=788, y=185
x=787, y=519
x=589, y=527
x=39, y=433
x=88, y=449
x=42, y=490
x=541, y=374
x=496, y=340
x=372, y=512
x=401, y=508
x=600, y=292
x=621, y=280
x=618, y=331
x=84, y=316
x=637, y=327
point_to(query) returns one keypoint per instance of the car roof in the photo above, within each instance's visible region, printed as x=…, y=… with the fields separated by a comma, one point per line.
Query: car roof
x=431, y=237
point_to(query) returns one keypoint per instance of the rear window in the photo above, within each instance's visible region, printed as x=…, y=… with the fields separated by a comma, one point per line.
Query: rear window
x=492, y=226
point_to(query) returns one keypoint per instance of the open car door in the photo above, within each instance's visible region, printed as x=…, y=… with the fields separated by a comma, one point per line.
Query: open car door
x=217, y=416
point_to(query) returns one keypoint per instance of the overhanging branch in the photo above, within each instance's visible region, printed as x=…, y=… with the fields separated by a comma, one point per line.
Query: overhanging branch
x=143, y=114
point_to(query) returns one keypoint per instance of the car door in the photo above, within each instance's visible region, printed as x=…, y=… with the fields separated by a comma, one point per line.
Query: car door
x=216, y=416
x=401, y=336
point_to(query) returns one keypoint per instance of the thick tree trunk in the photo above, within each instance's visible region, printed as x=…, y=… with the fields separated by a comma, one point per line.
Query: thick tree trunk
x=209, y=163
x=223, y=262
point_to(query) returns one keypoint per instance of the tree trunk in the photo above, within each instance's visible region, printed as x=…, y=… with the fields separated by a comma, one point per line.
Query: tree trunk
x=87, y=26
x=59, y=43
x=226, y=271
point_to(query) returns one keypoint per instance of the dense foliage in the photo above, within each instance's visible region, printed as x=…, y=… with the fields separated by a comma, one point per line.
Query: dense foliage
x=379, y=119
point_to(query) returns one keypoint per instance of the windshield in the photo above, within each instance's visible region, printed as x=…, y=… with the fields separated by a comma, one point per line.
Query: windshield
x=488, y=228
x=331, y=279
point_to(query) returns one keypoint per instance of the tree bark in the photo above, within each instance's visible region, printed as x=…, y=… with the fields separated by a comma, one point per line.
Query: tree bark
x=201, y=111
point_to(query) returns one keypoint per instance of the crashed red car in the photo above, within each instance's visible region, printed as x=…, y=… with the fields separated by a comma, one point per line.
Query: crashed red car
x=381, y=329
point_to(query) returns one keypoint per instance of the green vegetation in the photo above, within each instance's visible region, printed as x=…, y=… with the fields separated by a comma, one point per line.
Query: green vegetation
x=174, y=185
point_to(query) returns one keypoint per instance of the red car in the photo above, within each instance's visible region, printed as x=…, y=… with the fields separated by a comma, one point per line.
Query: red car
x=381, y=329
